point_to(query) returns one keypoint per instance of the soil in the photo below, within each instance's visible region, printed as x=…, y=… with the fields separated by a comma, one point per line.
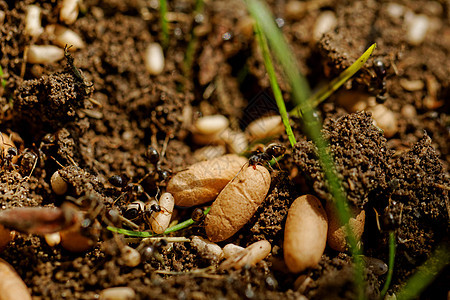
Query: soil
x=95, y=117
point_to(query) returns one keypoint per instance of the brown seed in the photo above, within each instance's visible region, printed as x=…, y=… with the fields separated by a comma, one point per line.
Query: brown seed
x=11, y=285
x=336, y=236
x=305, y=233
x=73, y=241
x=203, y=181
x=59, y=185
x=237, y=203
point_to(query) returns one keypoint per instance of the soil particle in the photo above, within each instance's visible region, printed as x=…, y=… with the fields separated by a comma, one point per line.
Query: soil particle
x=359, y=152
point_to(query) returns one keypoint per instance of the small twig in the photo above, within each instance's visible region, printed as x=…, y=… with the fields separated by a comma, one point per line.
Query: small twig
x=57, y=162
x=69, y=158
x=128, y=222
x=34, y=166
x=150, y=240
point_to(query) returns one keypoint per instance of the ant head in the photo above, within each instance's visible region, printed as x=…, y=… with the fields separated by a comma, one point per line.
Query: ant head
x=275, y=150
x=66, y=48
x=198, y=215
x=255, y=159
x=11, y=152
x=164, y=175
x=155, y=208
x=152, y=155
x=380, y=68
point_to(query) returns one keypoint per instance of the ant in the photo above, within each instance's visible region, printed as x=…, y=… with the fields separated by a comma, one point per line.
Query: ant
x=152, y=155
x=75, y=71
x=198, y=215
x=378, y=80
x=153, y=250
x=138, y=208
x=263, y=156
x=8, y=153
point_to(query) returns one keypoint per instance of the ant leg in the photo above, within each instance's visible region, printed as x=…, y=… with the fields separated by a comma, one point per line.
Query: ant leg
x=164, y=148
x=276, y=161
x=158, y=192
x=242, y=168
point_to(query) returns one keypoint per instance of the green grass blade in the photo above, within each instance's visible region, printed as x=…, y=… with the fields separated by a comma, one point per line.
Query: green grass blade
x=192, y=45
x=301, y=93
x=3, y=81
x=141, y=234
x=425, y=274
x=391, y=264
x=280, y=48
x=145, y=234
x=336, y=83
x=164, y=23
x=273, y=82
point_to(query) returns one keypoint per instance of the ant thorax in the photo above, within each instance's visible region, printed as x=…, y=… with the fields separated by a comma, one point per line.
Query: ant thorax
x=270, y=152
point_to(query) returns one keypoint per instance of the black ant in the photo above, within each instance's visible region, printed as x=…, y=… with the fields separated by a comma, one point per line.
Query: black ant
x=75, y=71
x=378, y=81
x=138, y=208
x=152, y=251
x=7, y=153
x=198, y=215
x=152, y=155
x=28, y=161
x=263, y=156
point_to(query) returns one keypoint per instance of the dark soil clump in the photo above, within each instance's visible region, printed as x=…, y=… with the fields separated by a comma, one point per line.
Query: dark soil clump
x=416, y=207
x=360, y=154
